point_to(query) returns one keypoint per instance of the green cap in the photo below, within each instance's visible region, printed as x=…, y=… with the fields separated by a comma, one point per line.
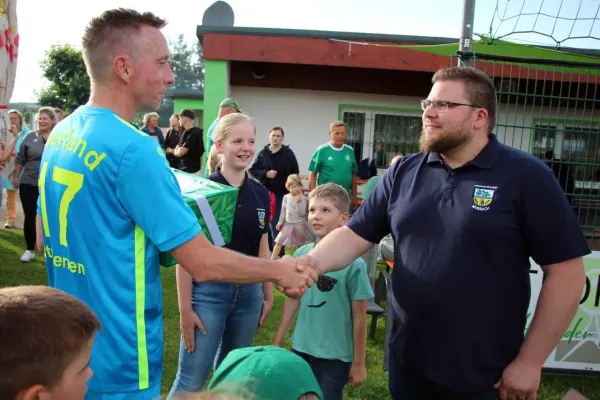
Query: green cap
x=266, y=373
x=229, y=102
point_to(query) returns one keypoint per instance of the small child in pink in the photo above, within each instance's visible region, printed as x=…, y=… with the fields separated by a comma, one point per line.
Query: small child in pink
x=293, y=220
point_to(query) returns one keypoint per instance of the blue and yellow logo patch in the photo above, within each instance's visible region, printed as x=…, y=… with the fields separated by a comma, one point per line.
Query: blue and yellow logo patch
x=483, y=196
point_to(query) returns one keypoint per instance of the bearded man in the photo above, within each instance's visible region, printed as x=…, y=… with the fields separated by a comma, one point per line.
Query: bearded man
x=466, y=214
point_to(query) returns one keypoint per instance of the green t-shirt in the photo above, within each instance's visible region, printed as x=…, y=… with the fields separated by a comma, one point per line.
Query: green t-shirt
x=324, y=324
x=369, y=187
x=334, y=165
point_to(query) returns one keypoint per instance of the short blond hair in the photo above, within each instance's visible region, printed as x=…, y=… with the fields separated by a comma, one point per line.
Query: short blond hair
x=49, y=111
x=333, y=192
x=18, y=113
x=110, y=34
x=335, y=124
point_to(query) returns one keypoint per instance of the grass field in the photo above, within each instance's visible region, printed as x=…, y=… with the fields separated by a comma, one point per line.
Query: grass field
x=13, y=273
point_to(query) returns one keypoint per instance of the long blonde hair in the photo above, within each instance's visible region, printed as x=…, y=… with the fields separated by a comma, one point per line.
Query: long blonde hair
x=226, y=123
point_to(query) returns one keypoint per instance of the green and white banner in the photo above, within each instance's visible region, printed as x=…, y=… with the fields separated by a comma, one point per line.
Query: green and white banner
x=579, y=348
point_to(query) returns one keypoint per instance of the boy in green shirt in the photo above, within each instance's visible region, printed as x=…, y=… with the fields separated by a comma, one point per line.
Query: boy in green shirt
x=335, y=162
x=331, y=330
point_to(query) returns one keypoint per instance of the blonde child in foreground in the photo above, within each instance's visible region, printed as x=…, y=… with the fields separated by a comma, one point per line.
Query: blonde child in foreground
x=46, y=337
x=331, y=330
x=293, y=228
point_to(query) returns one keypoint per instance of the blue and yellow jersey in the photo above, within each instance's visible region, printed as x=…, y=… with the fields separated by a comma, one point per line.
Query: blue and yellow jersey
x=109, y=203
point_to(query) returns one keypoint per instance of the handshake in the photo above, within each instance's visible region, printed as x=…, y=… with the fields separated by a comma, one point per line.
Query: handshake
x=296, y=275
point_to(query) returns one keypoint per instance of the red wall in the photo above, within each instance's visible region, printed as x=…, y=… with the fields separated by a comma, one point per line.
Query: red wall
x=309, y=51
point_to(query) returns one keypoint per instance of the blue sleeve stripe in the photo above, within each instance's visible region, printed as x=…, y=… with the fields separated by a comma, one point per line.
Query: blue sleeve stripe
x=140, y=305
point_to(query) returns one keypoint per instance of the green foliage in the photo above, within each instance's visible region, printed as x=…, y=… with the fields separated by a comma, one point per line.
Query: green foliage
x=69, y=87
x=187, y=63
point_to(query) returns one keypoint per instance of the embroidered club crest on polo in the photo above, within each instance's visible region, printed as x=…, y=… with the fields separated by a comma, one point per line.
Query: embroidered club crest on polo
x=483, y=196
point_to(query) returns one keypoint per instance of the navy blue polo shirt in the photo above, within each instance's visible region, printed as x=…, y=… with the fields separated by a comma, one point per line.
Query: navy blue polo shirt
x=463, y=238
x=251, y=220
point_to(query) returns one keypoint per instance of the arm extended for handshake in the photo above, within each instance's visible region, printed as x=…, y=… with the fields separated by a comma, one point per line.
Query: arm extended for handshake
x=206, y=262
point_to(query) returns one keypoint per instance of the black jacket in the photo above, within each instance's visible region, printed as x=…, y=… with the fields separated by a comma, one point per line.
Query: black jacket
x=263, y=164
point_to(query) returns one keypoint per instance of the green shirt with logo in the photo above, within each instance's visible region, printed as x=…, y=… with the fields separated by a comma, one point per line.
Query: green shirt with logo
x=324, y=324
x=334, y=165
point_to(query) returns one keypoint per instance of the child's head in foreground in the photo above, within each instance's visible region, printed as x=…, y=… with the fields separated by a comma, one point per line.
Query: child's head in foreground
x=328, y=209
x=266, y=373
x=46, y=337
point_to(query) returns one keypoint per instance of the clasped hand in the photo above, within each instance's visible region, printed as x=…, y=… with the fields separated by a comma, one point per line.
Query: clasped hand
x=299, y=275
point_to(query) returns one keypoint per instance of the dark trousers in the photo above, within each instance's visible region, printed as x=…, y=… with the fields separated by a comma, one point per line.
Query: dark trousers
x=332, y=375
x=29, y=196
x=406, y=385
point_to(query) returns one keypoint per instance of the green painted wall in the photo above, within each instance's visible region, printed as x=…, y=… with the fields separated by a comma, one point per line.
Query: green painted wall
x=216, y=88
x=192, y=104
x=216, y=85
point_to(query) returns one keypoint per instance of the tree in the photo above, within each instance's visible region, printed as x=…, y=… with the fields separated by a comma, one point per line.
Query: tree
x=69, y=85
x=187, y=63
x=28, y=117
x=199, y=63
x=181, y=64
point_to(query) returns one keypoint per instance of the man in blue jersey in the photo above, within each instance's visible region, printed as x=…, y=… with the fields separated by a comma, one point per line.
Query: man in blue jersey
x=101, y=182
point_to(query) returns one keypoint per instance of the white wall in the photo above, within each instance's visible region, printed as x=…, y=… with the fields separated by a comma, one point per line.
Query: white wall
x=305, y=115
x=516, y=126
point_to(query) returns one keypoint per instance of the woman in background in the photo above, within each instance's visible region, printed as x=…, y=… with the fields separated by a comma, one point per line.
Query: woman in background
x=16, y=127
x=273, y=165
x=172, y=140
x=151, y=128
x=27, y=173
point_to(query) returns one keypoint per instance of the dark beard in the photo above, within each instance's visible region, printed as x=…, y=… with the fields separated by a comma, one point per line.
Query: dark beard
x=444, y=143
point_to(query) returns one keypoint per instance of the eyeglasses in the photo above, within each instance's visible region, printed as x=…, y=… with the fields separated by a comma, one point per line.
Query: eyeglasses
x=326, y=283
x=443, y=106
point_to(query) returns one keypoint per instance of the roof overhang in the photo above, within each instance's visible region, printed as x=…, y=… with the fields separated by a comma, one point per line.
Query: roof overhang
x=389, y=52
x=340, y=49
